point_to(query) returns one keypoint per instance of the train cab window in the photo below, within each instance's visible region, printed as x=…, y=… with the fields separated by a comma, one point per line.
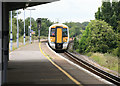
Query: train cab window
x=65, y=33
x=52, y=32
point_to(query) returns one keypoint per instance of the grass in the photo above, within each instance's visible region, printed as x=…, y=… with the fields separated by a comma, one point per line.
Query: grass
x=43, y=37
x=106, y=60
x=71, y=50
x=26, y=39
x=15, y=47
x=33, y=38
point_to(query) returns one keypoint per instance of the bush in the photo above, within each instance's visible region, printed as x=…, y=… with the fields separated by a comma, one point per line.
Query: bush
x=76, y=44
x=89, y=54
x=98, y=37
x=116, y=52
x=77, y=50
x=106, y=60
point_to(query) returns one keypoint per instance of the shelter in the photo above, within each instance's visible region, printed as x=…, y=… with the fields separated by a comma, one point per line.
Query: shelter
x=5, y=7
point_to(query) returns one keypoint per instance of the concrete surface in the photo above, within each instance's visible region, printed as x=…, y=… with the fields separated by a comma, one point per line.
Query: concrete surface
x=84, y=77
x=27, y=66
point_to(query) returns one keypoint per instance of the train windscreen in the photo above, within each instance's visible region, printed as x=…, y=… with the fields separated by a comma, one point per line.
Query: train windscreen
x=65, y=33
x=52, y=32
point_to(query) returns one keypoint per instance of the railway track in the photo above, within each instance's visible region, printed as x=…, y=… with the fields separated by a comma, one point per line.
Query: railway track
x=103, y=74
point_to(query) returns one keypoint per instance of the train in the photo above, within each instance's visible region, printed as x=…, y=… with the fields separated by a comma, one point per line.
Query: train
x=58, y=38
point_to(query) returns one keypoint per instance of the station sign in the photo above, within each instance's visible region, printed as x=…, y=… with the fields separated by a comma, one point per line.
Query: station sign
x=32, y=32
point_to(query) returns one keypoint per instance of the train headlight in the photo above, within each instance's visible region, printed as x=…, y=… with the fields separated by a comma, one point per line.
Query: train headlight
x=52, y=39
x=65, y=39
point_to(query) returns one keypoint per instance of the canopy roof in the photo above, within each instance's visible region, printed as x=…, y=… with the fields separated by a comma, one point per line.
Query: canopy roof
x=19, y=4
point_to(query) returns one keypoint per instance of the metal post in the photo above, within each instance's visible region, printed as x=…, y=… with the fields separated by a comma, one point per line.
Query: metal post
x=11, y=34
x=0, y=43
x=30, y=26
x=39, y=34
x=17, y=31
x=28, y=30
x=5, y=40
x=39, y=26
x=24, y=26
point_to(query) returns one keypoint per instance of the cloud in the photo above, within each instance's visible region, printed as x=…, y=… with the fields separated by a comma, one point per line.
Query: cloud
x=66, y=10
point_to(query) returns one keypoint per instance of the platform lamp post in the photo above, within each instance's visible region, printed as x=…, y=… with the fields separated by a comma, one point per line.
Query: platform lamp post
x=39, y=26
x=17, y=31
x=11, y=38
x=30, y=23
x=24, y=27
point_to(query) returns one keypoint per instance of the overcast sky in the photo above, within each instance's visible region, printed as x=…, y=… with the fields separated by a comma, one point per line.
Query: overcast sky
x=65, y=10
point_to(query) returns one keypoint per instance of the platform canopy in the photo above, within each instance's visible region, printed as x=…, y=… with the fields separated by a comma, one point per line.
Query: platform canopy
x=19, y=4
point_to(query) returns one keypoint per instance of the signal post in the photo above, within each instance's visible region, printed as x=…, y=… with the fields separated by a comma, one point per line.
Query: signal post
x=39, y=26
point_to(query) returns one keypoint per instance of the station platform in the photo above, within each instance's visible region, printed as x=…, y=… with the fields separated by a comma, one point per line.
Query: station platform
x=36, y=65
x=28, y=66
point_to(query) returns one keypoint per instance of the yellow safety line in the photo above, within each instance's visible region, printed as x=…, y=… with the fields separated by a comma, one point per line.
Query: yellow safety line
x=74, y=80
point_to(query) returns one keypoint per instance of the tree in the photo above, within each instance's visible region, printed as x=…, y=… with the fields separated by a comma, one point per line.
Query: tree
x=106, y=10
x=45, y=26
x=33, y=27
x=21, y=27
x=98, y=14
x=113, y=21
x=85, y=24
x=75, y=28
x=98, y=37
x=109, y=12
x=76, y=44
x=84, y=41
x=14, y=13
x=118, y=40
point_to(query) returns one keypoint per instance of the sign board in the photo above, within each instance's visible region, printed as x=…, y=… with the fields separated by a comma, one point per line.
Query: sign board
x=32, y=32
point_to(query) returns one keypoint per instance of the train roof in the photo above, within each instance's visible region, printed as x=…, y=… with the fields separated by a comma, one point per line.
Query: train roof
x=54, y=25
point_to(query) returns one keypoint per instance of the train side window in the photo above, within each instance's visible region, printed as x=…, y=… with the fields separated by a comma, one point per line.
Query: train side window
x=65, y=33
x=52, y=32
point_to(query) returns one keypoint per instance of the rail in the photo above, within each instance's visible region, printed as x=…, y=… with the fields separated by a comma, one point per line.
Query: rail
x=105, y=75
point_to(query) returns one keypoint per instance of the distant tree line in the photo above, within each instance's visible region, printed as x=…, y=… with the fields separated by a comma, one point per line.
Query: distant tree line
x=44, y=26
x=76, y=28
x=103, y=34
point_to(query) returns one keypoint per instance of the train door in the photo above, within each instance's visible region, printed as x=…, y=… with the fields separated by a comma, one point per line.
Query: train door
x=59, y=35
x=59, y=38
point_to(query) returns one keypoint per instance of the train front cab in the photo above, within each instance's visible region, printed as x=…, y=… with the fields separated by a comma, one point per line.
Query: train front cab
x=59, y=37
